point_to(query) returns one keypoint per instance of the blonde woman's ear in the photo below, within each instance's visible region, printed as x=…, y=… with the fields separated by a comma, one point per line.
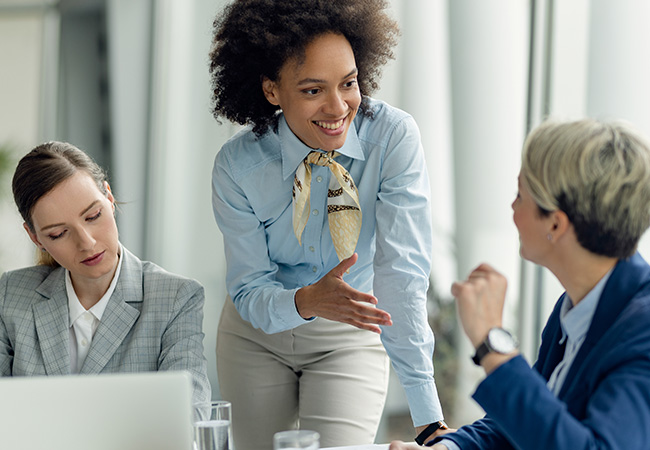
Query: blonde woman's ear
x=561, y=223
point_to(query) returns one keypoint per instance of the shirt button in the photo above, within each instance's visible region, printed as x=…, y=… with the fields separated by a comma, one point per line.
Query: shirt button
x=312, y=249
x=84, y=342
x=88, y=317
x=315, y=212
x=314, y=269
x=319, y=178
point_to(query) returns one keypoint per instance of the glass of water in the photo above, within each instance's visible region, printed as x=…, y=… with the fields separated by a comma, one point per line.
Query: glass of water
x=213, y=426
x=296, y=440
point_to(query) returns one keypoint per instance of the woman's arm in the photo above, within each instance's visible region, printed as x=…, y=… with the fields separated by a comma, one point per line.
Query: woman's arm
x=182, y=339
x=6, y=350
x=402, y=263
x=615, y=384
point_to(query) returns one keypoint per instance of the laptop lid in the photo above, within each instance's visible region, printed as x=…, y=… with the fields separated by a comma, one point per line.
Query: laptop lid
x=136, y=411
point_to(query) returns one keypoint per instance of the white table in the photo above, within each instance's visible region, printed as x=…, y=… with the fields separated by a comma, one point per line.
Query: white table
x=360, y=447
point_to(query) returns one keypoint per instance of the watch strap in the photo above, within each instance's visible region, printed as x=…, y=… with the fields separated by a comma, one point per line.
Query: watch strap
x=481, y=351
x=428, y=431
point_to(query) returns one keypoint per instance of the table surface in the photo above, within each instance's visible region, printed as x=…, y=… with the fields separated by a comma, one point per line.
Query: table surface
x=360, y=447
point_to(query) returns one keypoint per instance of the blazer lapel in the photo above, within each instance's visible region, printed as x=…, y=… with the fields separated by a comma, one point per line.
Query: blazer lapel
x=119, y=316
x=551, y=351
x=625, y=281
x=51, y=319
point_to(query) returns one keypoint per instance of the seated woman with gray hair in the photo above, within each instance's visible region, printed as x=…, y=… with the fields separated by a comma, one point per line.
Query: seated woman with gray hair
x=582, y=205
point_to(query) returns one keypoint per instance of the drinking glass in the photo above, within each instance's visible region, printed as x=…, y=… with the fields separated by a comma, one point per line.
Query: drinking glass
x=213, y=426
x=296, y=440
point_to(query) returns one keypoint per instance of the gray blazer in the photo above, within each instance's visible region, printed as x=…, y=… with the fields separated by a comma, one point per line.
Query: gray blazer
x=153, y=321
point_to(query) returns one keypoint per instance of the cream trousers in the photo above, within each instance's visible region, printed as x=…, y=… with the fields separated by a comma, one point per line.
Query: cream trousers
x=324, y=376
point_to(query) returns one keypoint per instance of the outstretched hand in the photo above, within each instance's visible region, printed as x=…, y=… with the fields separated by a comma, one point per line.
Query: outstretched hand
x=334, y=299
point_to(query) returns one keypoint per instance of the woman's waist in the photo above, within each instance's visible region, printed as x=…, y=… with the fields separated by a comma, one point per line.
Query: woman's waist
x=314, y=336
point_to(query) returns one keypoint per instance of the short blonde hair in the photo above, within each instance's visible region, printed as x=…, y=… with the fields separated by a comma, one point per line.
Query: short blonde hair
x=598, y=173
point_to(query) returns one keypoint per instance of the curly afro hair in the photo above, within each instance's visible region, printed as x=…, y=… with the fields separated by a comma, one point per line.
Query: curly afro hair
x=254, y=38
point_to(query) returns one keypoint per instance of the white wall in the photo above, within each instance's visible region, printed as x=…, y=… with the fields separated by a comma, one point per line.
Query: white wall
x=21, y=36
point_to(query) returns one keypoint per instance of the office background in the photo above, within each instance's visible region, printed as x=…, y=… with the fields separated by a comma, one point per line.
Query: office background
x=127, y=81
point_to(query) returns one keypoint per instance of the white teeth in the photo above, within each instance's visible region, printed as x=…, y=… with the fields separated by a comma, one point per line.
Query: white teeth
x=330, y=126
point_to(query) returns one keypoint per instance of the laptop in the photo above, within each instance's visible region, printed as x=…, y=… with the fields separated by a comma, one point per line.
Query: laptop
x=136, y=411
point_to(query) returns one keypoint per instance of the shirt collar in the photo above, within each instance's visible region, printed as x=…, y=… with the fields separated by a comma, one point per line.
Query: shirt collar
x=294, y=151
x=75, y=310
x=575, y=320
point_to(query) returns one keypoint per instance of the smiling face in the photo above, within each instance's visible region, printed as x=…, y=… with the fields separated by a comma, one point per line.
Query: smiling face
x=74, y=222
x=319, y=94
x=532, y=225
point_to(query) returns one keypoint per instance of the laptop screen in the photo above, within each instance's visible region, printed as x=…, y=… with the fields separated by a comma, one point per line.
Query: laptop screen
x=138, y=411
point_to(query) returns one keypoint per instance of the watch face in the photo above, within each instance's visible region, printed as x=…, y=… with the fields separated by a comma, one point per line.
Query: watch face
x=501, y=341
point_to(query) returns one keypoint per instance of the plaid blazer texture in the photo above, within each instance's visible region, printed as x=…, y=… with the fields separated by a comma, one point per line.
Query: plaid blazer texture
x=153, y=321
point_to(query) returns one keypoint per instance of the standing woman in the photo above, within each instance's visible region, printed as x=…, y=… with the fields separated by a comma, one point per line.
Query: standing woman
x=90, y=306
x=323, y=202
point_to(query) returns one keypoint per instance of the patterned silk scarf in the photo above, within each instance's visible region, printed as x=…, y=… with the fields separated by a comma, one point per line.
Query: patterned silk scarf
x=343, y=209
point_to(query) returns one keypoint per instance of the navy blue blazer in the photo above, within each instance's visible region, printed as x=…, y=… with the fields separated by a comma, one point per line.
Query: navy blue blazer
x=605, y=400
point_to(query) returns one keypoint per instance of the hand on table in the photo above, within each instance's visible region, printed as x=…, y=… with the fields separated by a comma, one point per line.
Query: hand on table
x=334, y=299
x=399, y=445
x=438, y=432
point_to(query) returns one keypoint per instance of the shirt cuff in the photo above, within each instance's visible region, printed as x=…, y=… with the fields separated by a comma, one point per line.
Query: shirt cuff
x=451, y=445
x=424, y=403
x=285, y=310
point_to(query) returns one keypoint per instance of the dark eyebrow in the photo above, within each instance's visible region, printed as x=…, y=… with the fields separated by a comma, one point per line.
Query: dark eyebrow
x=89, y=208
x=316, y=80
x=54, y=225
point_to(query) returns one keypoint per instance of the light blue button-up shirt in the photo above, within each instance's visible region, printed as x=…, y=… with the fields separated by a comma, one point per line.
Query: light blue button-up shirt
x=252, y=182
x=575, y=322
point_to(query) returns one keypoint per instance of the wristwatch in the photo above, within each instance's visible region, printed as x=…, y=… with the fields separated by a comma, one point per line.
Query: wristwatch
x=428, y=431
x=498, y=340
